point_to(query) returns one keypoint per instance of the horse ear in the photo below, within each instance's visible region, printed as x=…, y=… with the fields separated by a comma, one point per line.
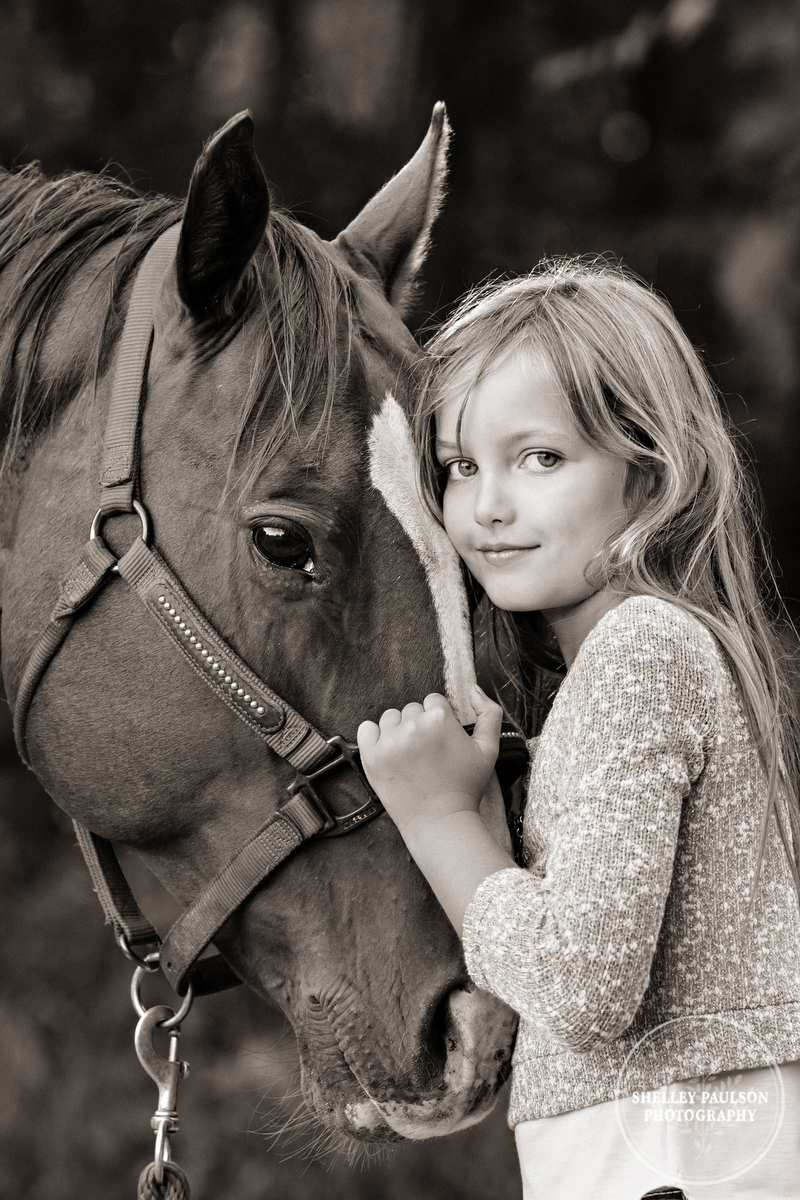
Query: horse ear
x=389, y=239
x=224, y=219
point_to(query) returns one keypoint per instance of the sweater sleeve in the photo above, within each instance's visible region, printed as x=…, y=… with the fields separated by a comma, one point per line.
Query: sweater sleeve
x=570, y=944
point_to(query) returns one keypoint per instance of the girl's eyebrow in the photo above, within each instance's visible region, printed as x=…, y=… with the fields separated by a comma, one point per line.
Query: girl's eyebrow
x=514, y=435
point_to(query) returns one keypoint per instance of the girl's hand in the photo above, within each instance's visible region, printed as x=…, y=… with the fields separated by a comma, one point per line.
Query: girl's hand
x=431, y=776
x=424, y=766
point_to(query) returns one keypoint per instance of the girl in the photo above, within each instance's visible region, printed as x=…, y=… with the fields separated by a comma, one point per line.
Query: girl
x=573, y=446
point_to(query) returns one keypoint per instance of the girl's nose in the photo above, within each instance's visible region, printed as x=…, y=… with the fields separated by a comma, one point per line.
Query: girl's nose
x=493, y=503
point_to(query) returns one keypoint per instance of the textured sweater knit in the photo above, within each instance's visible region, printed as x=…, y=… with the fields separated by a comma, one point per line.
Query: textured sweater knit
x=641, y=829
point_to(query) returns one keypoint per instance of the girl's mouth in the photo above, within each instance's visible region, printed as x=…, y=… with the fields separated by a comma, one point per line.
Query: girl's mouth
x=503, y=554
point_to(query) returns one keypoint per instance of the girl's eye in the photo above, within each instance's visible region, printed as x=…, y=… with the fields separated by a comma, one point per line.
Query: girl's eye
x=284, y=547
x=541, y=460
x=460, y=468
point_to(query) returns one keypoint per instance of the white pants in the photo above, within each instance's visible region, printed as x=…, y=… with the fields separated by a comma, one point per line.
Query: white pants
x=586, y=1155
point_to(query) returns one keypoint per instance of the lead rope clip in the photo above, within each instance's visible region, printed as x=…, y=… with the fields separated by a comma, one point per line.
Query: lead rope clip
x=163, y=1179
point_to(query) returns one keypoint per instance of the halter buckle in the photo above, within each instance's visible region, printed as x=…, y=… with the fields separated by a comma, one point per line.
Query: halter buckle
x=335, y=824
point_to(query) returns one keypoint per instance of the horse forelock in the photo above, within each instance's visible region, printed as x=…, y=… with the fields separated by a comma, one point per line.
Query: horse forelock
x=293, y=290
x=393, y=472
x=306, y=306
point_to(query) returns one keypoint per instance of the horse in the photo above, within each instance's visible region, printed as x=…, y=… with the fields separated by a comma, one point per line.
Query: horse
x=275, y=459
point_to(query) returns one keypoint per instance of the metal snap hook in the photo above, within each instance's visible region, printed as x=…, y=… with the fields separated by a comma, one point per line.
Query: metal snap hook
x=166, y=1073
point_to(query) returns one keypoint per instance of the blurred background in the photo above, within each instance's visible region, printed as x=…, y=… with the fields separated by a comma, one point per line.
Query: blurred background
x=665, y=133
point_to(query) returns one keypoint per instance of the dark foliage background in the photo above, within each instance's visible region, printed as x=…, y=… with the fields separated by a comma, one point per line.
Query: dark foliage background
x=663, y=132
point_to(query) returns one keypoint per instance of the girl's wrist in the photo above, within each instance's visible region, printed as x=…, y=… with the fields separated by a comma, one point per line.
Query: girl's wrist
x=456, y=852
x=428, y=833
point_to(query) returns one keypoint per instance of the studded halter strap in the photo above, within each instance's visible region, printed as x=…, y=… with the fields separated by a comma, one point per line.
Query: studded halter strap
x=303, y=814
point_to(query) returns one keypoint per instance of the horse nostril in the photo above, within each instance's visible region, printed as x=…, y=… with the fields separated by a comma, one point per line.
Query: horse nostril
x=437, y=1042
x=314, y=1002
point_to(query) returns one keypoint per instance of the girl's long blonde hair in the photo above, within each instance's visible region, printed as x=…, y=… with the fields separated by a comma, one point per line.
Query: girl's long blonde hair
x=637, y=389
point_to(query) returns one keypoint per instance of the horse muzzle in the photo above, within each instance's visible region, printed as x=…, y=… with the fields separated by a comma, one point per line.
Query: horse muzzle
x=451, y=1082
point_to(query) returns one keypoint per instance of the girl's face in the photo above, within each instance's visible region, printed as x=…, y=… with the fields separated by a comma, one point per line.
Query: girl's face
x=528, y=501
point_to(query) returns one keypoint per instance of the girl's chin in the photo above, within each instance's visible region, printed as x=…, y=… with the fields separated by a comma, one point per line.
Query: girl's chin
x=513, y=601
x=528, y=599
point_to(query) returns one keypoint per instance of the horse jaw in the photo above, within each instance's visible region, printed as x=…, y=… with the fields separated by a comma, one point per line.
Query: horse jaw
x=479, y=1028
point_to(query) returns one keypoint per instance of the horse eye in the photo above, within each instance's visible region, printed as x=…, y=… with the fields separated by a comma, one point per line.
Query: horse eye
x=284, y=547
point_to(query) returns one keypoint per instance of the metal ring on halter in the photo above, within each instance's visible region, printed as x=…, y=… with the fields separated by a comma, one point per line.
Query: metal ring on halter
x=122, y=942
x=150, y=964
x=138, y=508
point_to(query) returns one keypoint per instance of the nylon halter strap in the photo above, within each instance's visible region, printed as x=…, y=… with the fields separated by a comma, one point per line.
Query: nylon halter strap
x=289, y=735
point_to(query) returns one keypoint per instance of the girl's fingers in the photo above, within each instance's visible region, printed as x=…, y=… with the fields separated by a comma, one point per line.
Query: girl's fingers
x=480, y=701
x=390, y=719
x=435, y=700
x=367, y=735
x=488, y=723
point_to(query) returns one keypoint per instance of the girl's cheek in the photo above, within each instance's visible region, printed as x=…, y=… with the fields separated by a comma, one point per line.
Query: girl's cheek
x=449, y=517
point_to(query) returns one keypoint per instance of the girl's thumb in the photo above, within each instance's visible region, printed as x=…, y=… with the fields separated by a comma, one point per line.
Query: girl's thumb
x=488, y=722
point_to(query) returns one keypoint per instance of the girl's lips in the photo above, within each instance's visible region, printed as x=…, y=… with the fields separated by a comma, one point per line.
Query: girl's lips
x=504, y=554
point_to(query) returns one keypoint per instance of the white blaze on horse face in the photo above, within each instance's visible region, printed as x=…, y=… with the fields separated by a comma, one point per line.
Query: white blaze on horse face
x=393, y=472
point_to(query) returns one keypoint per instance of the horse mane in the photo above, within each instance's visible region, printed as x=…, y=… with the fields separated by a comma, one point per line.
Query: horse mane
x=55, y=226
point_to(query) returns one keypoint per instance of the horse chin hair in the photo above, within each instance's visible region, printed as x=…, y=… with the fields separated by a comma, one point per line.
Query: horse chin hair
x=297, y=1134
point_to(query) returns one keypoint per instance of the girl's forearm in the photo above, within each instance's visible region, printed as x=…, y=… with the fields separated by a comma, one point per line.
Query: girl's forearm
x=455, y=853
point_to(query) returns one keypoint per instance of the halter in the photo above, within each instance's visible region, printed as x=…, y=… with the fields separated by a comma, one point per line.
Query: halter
x=303, y=814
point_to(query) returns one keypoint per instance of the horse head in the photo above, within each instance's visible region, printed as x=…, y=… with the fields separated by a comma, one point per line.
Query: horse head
x=276, y=464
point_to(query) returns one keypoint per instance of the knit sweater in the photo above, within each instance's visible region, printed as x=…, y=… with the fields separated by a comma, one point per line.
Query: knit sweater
x=641, y=828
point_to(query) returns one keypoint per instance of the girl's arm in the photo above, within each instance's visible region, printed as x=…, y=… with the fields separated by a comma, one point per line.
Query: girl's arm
x=431, y=776
x=571, y=946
